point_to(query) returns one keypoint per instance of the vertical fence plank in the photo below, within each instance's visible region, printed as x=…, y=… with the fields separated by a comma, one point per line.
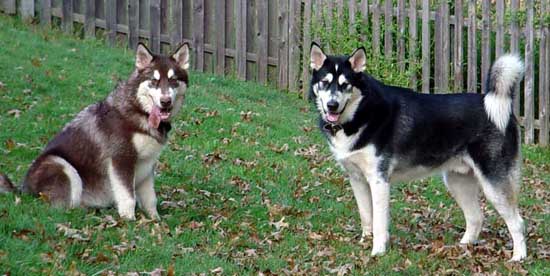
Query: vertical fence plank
x=220, y=37
x=110, y=18
x=305, y=46
x=388, y=18
x=546, y=75
x=401, y=34
x=458, y=50
x=26, y=9
x=241, y=39
x=544, y=99
x=89, y=19
x=529, y=75
x=133, y=23
x=445, y=47
x=198, y=34
x=294, y=22
x=339, y=23
x=499, y=39
x=316, y=23
x=283, y=44
x=176, y=23
x=472, y=49
x=154, y=25
x=426, y=46
x=365, y=19
x=413, y=36
x=67, y=16
x=376, y=28
x=263, y=13
x=10, y=6
x=352, y=11
x=485, y=43
x=514, y=48
x=438, y=55
x=46, y=12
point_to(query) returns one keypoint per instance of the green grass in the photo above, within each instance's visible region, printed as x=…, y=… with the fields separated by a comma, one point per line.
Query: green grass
x=223, y=181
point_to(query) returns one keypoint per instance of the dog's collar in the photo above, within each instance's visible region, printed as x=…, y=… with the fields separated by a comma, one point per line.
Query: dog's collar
x=332, y=128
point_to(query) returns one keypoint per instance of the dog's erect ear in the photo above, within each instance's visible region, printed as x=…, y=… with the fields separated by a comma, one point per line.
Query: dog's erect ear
x=358, y=60
x=143, y=56
x=317, y=56
x=181, y=56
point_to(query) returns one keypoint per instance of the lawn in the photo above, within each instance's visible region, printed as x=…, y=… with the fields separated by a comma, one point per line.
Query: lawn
x=246, y=185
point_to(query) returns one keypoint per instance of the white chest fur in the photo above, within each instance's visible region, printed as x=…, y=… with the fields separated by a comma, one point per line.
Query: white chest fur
x=341, y=144
x=148, y=151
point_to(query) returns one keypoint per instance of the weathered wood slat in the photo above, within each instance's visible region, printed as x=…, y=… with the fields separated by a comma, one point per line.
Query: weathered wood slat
x=426, y=46
x=438, y=49
x=376, y=27
x=305, y=46
x=220, y=37
x=283, y=44
x=401, y=34
x=388, y=20
x=514, y=48
x=365, y=19
x=110, y=18
x=339, y=23
x=294, y=22
x=485, y=43
x=133, y=23
x=352, y=9
x=445, y=47
x=458, y=50
x=413, y=36
x=9, y=6
x=176, y=24
x=547, y=72
x=472, y=48
x=198, y=34
x=89, y=18
x=154, y=25
x=46, y=13
x=26, y=9
x=544, y=95
x=499, y=39
x=529, y=75
x=241, y=39
x=67, y=16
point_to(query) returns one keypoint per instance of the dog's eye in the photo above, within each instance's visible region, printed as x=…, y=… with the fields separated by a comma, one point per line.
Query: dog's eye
x=154, y=82
x=324, y=83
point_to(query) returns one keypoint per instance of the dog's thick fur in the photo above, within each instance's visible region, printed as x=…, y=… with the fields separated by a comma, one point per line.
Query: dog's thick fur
x=107, y=154
x=382, y=134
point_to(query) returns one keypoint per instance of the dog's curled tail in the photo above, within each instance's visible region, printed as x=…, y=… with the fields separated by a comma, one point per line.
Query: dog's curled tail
x=6, y=186
x=506, y=73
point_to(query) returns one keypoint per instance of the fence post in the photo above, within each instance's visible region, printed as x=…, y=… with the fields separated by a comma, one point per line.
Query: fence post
x=283, y=44
x=458, y=50
x=262, y=13
x=9, y=6
x=529, y=75
x=305, y=48
x=499, y=39
x=110, y=19
x=67, y=16
x=46, y=13
x=376, y=28
x=177, y=27
x=472, y=48
x=198, y=34
x=544, y=81
x=294, y=61
x=485, y=43
x=388, y=40
x=413, y=36
x=133, y=23
x=26, y=9
x=426, y=46
x=241, y=39
x=514, y=48
x=220, y=38
x=401, y=35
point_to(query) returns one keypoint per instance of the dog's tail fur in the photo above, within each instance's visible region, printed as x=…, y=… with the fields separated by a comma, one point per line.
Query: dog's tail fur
x=6, y=186
x=506, y=73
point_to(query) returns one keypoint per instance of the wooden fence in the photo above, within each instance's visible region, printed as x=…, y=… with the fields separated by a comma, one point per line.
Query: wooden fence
x=268, y=41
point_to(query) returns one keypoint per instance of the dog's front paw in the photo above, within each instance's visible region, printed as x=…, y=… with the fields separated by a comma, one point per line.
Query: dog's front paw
x=378, y=249
x=365, y=235
x=153, y=214
x=127, y=215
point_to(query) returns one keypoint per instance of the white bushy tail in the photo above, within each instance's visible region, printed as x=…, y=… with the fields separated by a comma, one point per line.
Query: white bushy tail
x=506, y=73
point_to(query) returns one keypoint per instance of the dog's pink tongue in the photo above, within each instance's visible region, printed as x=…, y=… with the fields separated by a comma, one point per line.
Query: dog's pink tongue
x=333, y=117
x=154, y=117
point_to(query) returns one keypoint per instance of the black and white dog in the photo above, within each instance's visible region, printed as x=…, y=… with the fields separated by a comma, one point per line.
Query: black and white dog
x=382, y=134
x=107, y=154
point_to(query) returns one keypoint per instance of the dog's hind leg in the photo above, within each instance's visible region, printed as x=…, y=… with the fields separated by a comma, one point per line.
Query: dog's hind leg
x=503, y=195
x=466, y=190
x=56, y=180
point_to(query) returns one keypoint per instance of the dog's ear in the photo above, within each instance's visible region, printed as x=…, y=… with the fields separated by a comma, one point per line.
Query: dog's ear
x=358, y=60
x=181, y=56
x=143, y=56
x=317, y=56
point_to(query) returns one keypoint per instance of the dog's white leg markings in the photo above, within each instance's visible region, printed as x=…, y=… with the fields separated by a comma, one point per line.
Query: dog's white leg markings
x=362, y=194
x=147, y=198
x=124, y=200
x=74, y=179
x=381, y=212
x=465, y=189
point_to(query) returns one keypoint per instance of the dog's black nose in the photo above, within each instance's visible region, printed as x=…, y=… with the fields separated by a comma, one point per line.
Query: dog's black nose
x=332, y=106
x=165, y=102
